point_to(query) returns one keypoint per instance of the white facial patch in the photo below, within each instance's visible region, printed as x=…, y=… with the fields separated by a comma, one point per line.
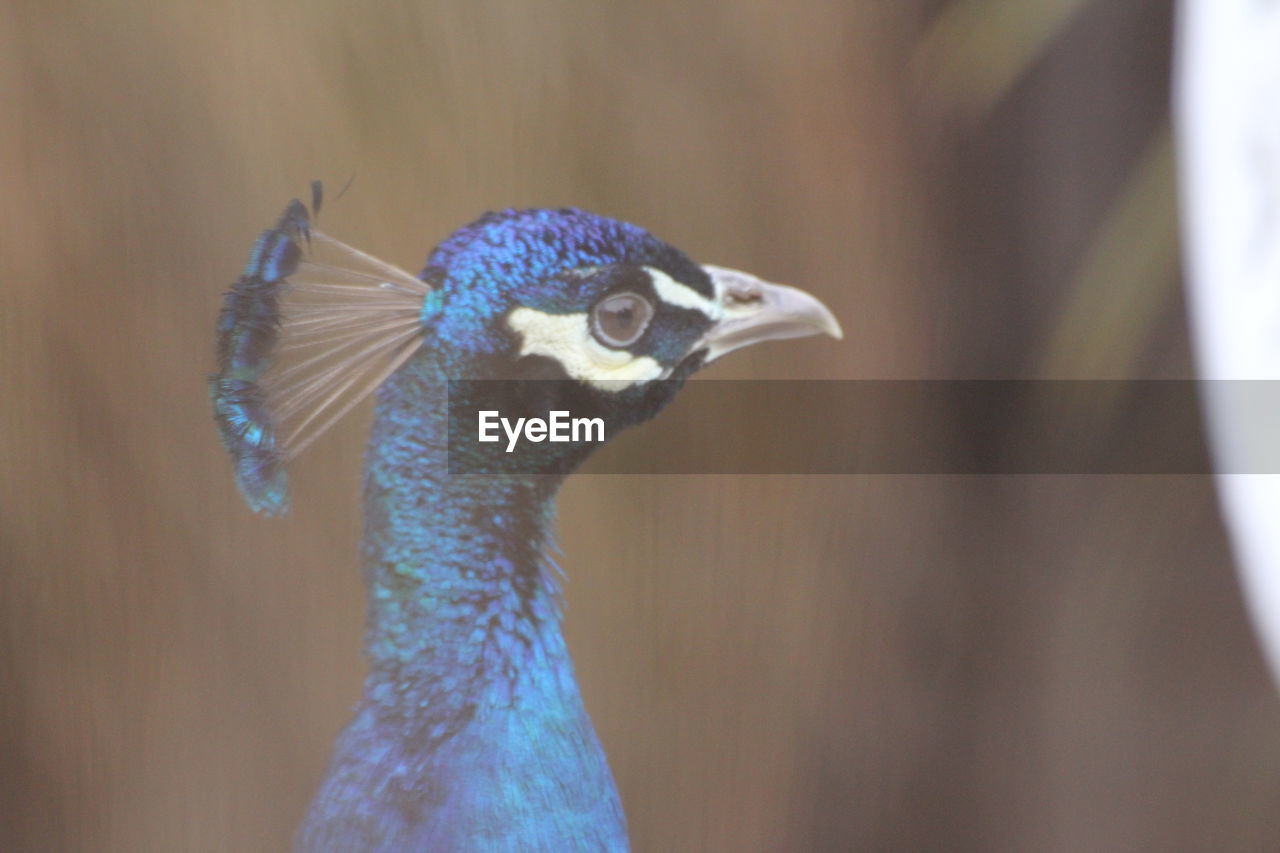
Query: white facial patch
x=567, y=338
x=674, y=293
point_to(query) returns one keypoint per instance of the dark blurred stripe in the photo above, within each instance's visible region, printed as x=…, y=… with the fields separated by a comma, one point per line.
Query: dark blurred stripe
x=894, y=427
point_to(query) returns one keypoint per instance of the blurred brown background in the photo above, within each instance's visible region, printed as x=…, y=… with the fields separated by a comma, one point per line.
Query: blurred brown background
x=978, y=188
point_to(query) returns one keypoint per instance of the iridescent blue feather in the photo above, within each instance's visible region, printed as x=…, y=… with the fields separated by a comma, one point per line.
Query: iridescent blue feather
x=240, y=413
x=247, y=329
x=296, y=336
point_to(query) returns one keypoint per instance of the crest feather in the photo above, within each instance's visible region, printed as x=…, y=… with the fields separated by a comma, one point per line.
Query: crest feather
x=310, y=329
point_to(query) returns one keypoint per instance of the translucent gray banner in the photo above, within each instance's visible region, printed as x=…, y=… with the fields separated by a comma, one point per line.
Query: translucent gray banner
x=866, y=427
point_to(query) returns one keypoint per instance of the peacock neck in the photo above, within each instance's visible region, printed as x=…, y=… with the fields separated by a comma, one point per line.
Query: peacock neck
x=462, y=595
x=471, y=730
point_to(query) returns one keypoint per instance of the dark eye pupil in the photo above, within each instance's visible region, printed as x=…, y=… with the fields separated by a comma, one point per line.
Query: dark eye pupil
x=618, y=322
x=621, y=319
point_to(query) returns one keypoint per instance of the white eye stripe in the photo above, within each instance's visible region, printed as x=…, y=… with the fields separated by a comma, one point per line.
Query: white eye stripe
x=680, y=295
x=567, y=339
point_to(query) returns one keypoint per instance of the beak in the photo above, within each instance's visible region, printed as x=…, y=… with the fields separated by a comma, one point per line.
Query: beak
x=754, y=311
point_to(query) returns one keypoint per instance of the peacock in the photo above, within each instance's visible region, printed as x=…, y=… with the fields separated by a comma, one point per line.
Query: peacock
x=471, y=733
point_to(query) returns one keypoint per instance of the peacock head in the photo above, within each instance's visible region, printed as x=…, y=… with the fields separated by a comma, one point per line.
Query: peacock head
x=615, y=318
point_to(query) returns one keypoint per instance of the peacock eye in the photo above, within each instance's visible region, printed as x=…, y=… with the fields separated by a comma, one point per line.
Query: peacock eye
x=620, y=319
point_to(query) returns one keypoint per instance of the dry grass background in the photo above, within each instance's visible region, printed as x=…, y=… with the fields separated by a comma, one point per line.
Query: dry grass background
x=783, y=663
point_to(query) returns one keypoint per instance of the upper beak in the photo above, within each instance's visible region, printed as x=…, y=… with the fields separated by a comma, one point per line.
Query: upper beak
x=755, y=311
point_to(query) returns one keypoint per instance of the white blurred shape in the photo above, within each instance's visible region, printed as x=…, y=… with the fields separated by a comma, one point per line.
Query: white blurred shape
x=1227, y=117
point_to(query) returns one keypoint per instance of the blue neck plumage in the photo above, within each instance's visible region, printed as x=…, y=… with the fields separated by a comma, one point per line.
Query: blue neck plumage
x=471, y=733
